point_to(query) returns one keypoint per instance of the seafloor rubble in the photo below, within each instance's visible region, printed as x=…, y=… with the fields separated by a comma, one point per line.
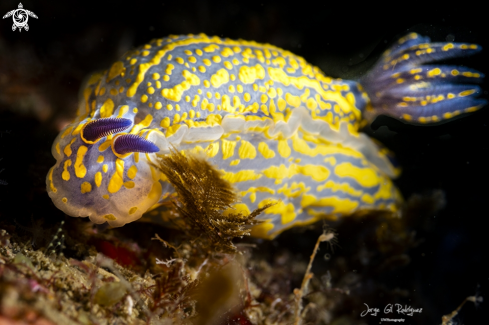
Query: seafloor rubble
x=203, y=272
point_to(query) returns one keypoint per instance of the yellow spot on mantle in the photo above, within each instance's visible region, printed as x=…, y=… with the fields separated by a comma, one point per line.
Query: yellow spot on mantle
x=66, y=174
x=295, y=190
x=132, y=171
x=86, y=187
x=246, y=150
x=115, y=182
x=98, y=179
x=237, y=208
x=286, y=211
x=212, y=149
x=345, y=206
x=80, y=169
x=221, y=77
x=176, y=93
x=67, y=149
x=51, y=185
x=107, y=108
x=248, y=75
x=366, y=177
x=317, y=173
x=143, y=124
x=265, y=151
x=110, y=217
x=241, y=176
x=261, y=230
x=342, y=187
x=253, y=190
x=283, y=148
x=115, y=70
x=228, y=148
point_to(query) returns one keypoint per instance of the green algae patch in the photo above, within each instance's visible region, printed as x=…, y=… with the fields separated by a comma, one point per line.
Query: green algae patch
x=109, y=294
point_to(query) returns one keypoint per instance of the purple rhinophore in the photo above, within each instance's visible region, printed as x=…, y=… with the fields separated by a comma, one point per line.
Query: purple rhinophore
x=102, y=127
x=132, y=143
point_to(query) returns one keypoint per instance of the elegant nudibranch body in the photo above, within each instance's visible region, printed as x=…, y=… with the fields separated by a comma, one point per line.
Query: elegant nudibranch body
x=277, y=127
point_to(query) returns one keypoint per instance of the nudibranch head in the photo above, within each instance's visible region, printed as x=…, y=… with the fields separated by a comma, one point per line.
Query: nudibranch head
x=97, y=171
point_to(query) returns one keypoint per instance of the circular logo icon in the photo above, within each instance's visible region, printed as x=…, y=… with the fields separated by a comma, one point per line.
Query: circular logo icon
x=20, y=17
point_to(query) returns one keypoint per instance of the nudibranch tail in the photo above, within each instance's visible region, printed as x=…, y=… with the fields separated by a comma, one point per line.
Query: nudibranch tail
x=128, y=143
x=102, y=127
x=402, y=86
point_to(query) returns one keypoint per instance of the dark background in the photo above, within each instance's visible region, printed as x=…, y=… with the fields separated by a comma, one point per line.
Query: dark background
x=41, y=71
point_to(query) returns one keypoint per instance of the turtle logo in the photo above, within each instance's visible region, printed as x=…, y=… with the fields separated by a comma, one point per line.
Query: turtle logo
x=20, y=17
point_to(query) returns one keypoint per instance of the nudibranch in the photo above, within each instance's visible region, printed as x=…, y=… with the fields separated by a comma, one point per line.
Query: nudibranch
x=275, y=125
